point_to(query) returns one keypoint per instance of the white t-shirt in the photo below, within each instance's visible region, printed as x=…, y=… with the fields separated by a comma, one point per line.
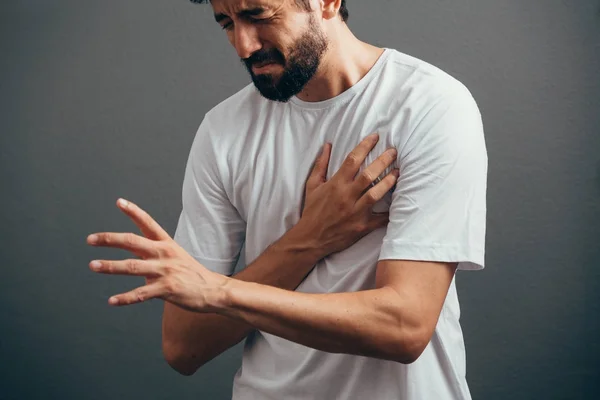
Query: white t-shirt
x=244, y=181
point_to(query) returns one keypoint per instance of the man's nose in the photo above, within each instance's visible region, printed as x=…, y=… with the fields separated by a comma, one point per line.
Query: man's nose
x=246, y=40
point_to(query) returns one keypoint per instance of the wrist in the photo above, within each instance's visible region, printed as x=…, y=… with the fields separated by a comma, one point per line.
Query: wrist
x=226, y=301
x=299, y=242
x=219, y=300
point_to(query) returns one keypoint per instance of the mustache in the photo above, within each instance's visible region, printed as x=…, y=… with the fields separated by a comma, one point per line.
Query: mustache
x=271, y=55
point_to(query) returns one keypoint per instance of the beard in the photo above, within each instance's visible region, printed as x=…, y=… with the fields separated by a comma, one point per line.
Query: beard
x=299, y=68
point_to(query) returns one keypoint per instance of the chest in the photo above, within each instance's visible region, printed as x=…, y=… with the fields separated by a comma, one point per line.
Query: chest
x=273, y=162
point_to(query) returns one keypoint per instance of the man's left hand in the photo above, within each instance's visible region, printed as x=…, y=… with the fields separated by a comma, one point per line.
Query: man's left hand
x=171, y=273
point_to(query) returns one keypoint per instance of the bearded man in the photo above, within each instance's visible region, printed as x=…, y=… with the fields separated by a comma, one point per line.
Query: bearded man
x=349, y=291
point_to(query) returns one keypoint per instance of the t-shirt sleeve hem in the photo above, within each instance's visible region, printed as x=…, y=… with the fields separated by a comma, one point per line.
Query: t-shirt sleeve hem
x=468, y=259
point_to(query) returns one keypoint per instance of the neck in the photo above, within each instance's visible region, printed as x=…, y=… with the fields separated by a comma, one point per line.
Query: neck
x=345, y=62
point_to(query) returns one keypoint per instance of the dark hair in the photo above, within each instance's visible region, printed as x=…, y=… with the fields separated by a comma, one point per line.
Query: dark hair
x=344, y=11
x=304, y=4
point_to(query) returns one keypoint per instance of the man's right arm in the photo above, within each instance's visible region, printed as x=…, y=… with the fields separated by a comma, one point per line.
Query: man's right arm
x=192, y=339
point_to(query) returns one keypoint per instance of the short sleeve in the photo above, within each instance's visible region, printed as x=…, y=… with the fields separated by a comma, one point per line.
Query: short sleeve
x=209, y=227
x=438, y=209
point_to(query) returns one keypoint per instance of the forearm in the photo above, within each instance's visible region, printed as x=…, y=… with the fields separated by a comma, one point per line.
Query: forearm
x=191, y=339
x=285, y=263
x=370, y=323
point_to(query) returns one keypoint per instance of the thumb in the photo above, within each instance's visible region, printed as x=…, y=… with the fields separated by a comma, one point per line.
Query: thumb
x=318, y=174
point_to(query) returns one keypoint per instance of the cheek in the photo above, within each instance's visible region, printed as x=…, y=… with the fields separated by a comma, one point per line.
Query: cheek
x=269, y=36
x=230, y=37
x=276, y=36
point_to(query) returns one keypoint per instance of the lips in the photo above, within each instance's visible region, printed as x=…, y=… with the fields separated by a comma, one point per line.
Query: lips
x=263, y=63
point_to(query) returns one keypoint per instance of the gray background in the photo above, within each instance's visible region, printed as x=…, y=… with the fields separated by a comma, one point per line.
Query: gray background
x=102, y=99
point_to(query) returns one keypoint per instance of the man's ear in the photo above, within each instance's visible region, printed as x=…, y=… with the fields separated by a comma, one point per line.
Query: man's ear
x=330, y=8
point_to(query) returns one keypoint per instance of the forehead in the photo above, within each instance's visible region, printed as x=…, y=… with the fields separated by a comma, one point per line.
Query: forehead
x=236, y=6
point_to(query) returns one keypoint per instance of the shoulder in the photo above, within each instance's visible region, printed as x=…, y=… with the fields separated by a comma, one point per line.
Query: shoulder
x=420, y=73
x=226, y=123
x=235, y=110
x=432, y=110
x=229, y=130
x=421, y=84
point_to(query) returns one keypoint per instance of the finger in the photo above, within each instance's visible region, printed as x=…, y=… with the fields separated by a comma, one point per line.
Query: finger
x=357, y=156
x=126, y=241
x=375, y=169
x=378, y=220
x=318, y=174
x=148, y=226
x=138, y=295
x=126, y=267
x=377, y=192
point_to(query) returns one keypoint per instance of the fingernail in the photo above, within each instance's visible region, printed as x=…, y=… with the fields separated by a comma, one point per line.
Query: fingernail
x=123, y=203
x=396, y=172
x=373, y=136
x=95, y=264
x=92, y=239
x=113, y=301
x=393, y=152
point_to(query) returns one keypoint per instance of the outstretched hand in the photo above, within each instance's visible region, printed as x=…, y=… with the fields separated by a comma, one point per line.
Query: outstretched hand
x=171, y=273
x=336, y=213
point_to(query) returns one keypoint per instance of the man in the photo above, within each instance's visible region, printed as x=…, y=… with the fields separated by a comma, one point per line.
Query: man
x=378, y=319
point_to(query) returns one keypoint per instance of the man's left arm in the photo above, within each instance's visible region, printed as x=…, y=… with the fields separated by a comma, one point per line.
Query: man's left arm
x=436, y=225
x=393, y=321
x=437, y=216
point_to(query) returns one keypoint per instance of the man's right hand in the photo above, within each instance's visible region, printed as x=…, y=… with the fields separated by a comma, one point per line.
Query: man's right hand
x=339, y=212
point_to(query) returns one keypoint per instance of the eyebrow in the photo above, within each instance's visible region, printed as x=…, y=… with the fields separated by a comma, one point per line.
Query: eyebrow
x=251, y=12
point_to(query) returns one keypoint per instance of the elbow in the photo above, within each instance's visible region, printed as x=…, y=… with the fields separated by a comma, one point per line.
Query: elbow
x=406, y=348
x=409, y=353
x=178, y=360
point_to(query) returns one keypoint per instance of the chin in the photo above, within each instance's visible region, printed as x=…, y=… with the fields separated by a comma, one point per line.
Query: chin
x=273, y=94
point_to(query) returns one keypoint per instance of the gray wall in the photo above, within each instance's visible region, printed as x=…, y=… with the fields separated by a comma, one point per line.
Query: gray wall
x=102, y=99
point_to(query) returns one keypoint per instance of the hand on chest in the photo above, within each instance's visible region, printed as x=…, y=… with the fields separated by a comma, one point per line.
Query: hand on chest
x=282, y=168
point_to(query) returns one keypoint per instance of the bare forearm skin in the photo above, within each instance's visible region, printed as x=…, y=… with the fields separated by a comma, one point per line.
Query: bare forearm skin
x=192, y=339
x=369, y=323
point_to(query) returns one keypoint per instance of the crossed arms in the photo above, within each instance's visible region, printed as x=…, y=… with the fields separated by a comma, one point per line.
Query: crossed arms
x=205, y=313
